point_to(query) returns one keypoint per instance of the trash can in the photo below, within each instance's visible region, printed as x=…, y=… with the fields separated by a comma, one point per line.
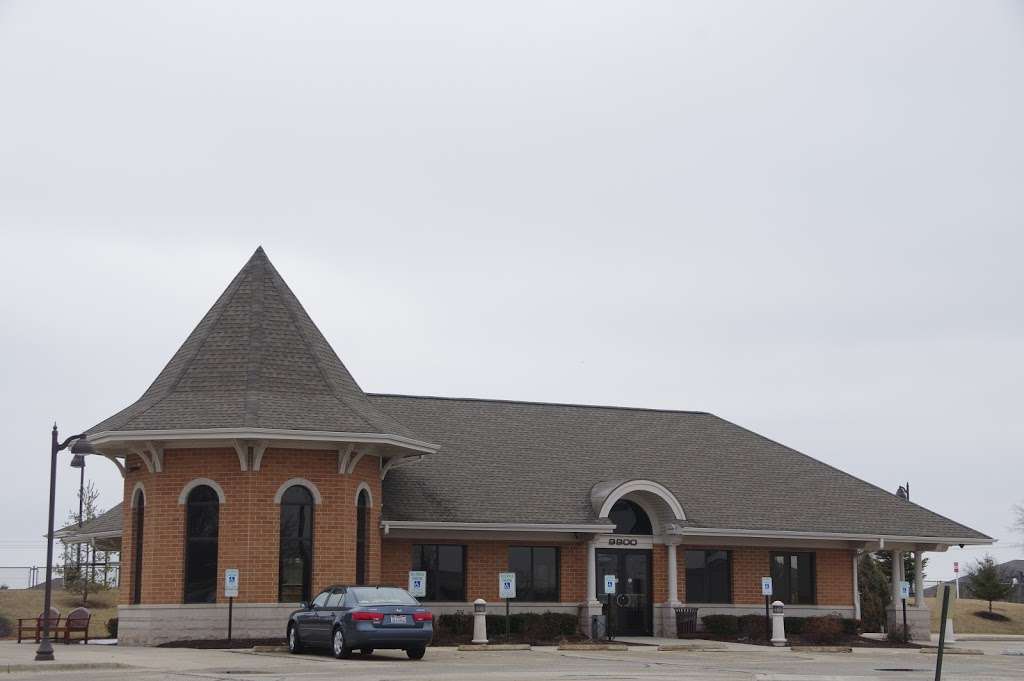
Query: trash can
x=598, y=627
x=686, y=621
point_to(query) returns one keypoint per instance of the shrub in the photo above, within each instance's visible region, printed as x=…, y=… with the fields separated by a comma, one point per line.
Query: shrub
x=752, y=627
x=6, y=628
x=725, y=626
x=455, y=625
x=852, y=627
x=824, y=630
x=112, y=627
x=532, y=627
x=795, y=625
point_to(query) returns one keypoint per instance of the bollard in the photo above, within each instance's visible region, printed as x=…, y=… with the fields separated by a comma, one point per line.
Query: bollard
x=778, y=624
x=479, y=621
x=950, y=635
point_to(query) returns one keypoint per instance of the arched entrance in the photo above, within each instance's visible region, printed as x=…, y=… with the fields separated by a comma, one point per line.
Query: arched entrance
x=639, y=510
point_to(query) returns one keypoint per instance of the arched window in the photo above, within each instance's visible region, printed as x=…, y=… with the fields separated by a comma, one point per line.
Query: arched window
x=362, y=533
x=629, y=518
x=138, y=525
x=202, y=513
x=295, y=570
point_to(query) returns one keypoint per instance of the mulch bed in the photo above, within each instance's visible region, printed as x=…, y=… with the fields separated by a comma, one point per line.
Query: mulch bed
x=852, y=641
x=223, y=643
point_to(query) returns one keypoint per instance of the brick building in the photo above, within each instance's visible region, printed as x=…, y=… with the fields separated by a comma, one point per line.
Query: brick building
x=255, y=449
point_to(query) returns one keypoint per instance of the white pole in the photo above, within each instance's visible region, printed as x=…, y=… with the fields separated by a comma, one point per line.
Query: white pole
x=856, y=586
x=591, y=573
x=673, y=588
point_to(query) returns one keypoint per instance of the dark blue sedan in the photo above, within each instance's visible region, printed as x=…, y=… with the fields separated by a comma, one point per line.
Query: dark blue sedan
x=347, y=618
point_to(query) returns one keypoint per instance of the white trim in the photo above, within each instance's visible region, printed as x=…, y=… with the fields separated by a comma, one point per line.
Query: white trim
x=353, y=460
x=302, y=482
x=139, y=487
x=112, y=436
x=120, y=466
x=369, y=493
x=790, y=534
x=242, y=450
x=344, y=454
x=192, y=484
x=258, y=450
x=497, y=527
x=395, y=462
x=648, y=486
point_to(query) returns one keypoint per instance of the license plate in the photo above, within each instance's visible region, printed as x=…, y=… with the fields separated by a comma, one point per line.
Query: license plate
x=399, y=619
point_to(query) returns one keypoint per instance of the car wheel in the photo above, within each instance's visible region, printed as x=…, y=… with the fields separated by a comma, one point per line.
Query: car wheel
x=366, y=652
x=338, y=647
x=416, y=653
x=294, y=644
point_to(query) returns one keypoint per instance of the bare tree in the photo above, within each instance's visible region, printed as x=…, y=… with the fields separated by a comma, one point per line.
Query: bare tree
x=81, y=578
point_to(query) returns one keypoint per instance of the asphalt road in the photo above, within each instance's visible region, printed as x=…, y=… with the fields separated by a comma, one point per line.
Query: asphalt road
x=540, y=663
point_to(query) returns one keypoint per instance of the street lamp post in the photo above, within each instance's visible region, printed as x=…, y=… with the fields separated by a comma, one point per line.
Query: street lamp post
x=81, y=446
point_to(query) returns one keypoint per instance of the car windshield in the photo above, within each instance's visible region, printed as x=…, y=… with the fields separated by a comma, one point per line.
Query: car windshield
x=382, y=596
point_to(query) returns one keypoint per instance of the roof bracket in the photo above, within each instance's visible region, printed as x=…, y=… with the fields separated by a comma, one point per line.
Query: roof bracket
x=344, y=454
x=120, y=466
x=396, y=462
x=354, y=460
x=156, y=455
x=259, y=448
x=242, y=449
x=143, y=454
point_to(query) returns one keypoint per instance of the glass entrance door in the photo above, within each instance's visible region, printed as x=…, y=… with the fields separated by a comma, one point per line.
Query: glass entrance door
x=629, y=610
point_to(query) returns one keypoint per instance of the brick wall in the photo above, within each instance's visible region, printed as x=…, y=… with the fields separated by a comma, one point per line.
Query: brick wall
x=249, y=520
x=484, y=560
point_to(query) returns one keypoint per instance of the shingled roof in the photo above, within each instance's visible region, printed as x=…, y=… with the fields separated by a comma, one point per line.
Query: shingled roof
x=256, y=360
x=105, y=524
x=524, y=462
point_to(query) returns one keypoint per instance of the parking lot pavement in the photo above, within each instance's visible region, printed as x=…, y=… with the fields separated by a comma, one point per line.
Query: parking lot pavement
x=753, y=664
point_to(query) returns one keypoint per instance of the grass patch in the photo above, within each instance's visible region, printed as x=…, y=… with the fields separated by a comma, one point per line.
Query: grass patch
x=971, y=616
x=19, y=603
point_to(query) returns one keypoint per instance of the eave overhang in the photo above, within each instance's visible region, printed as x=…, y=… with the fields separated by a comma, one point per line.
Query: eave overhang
x=119, y=443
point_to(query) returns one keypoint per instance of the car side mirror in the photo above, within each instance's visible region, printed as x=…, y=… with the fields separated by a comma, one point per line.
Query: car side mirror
x=304, y=605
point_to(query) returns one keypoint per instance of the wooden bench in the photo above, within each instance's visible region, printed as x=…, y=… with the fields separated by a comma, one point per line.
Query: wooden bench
x=33, y=626
x=77, y=622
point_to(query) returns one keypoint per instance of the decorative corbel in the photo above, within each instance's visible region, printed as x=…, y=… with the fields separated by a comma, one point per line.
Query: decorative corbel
x=258, y=450
x=395, y=462
x=120, y=466
x=143, y=454
x=242, y=449
x=156, y=455
x=353, y=460
x=344, y=454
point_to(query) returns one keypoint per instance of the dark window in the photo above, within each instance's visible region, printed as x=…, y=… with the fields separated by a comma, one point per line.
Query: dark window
x=445, y=565
x=137, y=530
x=295, y=568
x=793, y=578
x=536, y=569
x=629, y=518
x=201, y=529
x=708, y=576
x=362, y=532
x=321, y=599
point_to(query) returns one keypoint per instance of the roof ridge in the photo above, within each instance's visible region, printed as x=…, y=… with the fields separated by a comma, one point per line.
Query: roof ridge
x=541, y=403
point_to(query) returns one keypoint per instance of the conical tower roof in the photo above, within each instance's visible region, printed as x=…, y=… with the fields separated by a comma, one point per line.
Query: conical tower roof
x=255, y=361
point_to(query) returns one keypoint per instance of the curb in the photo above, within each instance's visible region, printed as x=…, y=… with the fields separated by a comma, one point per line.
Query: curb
x=953, y=651
x=491, y=647
x=593, y=646
x=270, y=649
x=687, y=648
x=821, y=649
x=61, y=667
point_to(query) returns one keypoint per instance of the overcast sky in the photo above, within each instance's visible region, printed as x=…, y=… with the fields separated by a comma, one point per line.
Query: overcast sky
x=805, y=217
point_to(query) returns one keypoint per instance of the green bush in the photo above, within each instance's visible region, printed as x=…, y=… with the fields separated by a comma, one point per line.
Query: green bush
x=112, y=627
x=852, y=627
x=724, y=626
x=823, y=630
x=752, y=627
x=6, y=628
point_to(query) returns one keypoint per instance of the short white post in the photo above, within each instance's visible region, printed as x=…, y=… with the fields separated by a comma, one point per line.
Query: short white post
x=778, y=624
x=479, y=621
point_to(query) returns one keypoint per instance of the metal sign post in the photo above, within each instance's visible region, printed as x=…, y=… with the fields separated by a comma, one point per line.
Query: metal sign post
x=956, y=576
x=231, y=592
x=904, y=595
x=507, y=590
x=610, y=586
x=942, y=632
x=766, y=591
